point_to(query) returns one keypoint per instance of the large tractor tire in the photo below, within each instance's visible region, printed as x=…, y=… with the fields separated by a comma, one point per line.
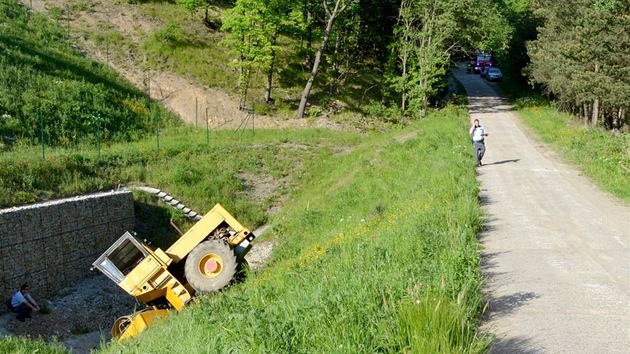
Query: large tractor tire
x=210, y=266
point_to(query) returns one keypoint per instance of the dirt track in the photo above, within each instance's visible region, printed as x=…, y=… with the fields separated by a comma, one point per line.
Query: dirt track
x=556, y=249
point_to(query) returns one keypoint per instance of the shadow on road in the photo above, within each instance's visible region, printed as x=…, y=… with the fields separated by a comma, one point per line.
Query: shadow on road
x=484, y=199
x=488, y=105
x=513, y=346
x=502, y=162
x=507, y=304
x=502, y=306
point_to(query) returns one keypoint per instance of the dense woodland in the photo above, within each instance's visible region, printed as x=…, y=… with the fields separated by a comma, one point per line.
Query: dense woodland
x=581, y=58
x=576, y=52
x=396, y=52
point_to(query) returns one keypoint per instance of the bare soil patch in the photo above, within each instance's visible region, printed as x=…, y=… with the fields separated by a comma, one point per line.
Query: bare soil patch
x=185, y=97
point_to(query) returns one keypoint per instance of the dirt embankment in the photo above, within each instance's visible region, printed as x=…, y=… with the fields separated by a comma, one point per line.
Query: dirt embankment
x=185, y=97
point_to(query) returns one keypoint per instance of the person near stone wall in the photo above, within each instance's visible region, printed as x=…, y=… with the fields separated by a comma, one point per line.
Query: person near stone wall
x=23, y=303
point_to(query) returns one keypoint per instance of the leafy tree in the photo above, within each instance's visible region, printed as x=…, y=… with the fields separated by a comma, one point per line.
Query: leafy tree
x=253, y=27
x=331, y=15
x=521, y=16
x=581, y=57
x=428, y=33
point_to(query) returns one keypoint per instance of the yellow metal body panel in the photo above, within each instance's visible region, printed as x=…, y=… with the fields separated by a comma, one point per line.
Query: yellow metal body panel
x=175, y=298
x=131, y=326
x=213, y=219
x=150, y=279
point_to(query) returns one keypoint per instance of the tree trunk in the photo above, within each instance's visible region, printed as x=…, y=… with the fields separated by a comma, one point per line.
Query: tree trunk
x=335, y=64
x=595, y=115
x=269, y=84
x=595, y=103
x=270, y=73
x=318, y=57
x=309, y=32
x=242, y=104
x=403, y=105
x=616, y=119
x=404, y=13
x=584, y=114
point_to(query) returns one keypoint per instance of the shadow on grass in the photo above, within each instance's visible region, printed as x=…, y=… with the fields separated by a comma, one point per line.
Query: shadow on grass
x=153, y=223
x=54, y=65
x=355, y=90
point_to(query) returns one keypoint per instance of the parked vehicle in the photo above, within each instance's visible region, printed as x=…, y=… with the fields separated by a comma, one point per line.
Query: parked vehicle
x=484, y=71
x=482, y=60
x=494, y=74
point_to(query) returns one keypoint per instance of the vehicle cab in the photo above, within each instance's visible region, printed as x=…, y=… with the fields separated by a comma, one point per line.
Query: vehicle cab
x=483, y=60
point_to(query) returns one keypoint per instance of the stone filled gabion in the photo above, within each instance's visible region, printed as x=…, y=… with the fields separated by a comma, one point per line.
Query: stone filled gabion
x=51, y=245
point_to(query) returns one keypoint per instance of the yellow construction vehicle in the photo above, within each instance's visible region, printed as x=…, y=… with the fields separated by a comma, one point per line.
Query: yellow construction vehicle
x=206, y=258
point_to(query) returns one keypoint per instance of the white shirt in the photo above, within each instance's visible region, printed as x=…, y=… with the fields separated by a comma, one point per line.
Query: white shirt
x=19, y=298
x=478, y=133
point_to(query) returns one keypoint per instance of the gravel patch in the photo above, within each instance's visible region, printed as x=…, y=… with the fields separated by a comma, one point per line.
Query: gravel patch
x=81, y=316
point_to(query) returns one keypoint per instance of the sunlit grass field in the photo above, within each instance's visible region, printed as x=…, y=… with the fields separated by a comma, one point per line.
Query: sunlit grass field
x=376, y=252
x=375, y=244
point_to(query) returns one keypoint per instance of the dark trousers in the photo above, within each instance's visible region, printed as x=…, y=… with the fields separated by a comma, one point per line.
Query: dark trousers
x=22, y=310
x=479, y=148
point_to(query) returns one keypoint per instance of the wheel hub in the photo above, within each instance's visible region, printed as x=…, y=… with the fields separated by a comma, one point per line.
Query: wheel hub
x=210, y=265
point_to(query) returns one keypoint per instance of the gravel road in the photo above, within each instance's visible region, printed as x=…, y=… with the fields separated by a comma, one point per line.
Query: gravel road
x=555, y=248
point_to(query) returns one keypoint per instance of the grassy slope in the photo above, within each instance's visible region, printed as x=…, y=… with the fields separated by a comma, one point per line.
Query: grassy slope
x=197, y=167
x=45, y=81
x=376, y=245
x=376, y=252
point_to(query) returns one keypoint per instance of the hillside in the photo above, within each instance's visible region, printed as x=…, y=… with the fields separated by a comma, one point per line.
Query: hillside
x=122, y=34
x=51, y=91
x=377, y=234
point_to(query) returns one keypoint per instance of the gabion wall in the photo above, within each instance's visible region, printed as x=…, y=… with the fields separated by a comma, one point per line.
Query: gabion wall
x=52, y=245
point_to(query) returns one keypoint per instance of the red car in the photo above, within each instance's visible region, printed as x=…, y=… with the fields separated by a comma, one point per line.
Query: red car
x=482, y=60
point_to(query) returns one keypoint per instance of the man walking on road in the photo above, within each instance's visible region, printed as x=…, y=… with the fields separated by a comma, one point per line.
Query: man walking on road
x=478, y=134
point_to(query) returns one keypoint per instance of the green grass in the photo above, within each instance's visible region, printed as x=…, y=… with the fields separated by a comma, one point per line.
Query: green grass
x=594, y=150
x=376, y=241
x=197, y=167
x=184, y=45
x=48, y=88
x=377, y=252
x=23, y=345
